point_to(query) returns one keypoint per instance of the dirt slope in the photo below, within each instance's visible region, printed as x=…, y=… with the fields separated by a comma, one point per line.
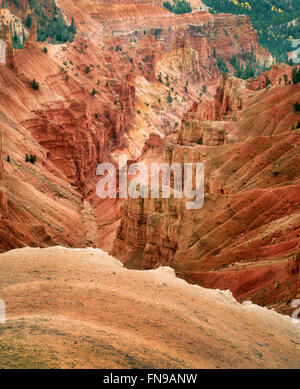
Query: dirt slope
x=80, y=308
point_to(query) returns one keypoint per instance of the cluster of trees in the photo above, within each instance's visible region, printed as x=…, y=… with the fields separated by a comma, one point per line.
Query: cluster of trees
x=30, y=158
x=178, y=6
x=296, y=75
x=271, y=20
x=222, y=65
x=156, y=32
x=8, y=3
x=247, y=66
x=242, y=71
x=48, y=26
x=54, y=27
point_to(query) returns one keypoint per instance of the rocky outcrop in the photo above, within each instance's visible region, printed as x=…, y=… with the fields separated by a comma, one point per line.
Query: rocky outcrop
x=6, y=36
x=149, y=224
x=153, y=142
x=230, y=97
x=277, y=75
x=207, y=133
x=204, y=109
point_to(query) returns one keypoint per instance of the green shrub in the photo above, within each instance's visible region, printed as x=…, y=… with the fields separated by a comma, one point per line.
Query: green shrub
x=30, y=158
x=268, y=81
x=35, y=85
x=297, y=107
x=296, y=75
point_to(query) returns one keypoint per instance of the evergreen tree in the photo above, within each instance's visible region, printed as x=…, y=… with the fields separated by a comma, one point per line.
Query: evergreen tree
x=296, y=75
x=297, y=106
x=73, y=27
x=54, y=27
x=268, y=81
x=222, y=65
x=28, y=21
x=35, y=85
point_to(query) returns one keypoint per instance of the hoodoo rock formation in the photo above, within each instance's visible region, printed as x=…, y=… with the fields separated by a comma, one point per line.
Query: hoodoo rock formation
x=6, y=37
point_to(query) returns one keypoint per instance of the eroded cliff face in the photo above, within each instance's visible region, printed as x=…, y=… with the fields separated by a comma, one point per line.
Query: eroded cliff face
x=100, y=96
x=209, y=133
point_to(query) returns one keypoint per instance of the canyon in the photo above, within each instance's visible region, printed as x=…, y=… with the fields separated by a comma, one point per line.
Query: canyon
x=134, y=55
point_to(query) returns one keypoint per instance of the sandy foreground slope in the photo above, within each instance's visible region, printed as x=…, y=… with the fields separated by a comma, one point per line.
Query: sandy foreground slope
x=70, y=308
